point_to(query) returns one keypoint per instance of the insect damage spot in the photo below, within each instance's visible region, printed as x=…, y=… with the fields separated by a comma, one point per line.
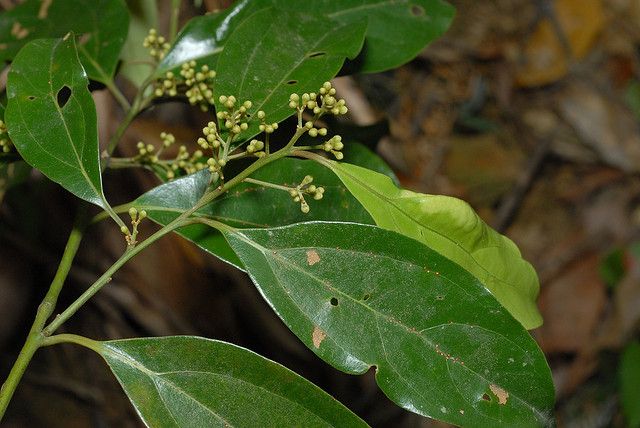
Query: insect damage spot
x=500, y=393
x=63, y=96
x=317, y=336
x=18, y=31
x=417, y=10
x=44, y=9
x=312, y=257
x=316, y=54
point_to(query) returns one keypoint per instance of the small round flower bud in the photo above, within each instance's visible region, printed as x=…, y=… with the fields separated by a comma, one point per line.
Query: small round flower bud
x=133, y=213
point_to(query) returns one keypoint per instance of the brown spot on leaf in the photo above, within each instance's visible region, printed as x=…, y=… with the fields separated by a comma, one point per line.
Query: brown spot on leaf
x=312, y=257
x=318, y=336
x=84, y=39
x=19, y=31
x=44, y=9
x=502, y=395
x=3, y=46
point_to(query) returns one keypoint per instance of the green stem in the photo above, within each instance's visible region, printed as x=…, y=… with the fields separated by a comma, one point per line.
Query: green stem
x=175, y=17
x=106, y=277
x=71, y=338
x=283, y=152
x=267, y=184
x=117, y=94
x=45, y=309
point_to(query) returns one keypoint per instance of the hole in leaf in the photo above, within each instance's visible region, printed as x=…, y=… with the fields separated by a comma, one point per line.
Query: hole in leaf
x=31, y=98
x=316, y=54
x=292, y=82
x=486, y=397
x=366, y=297
x=333, y=301
x=417, y=10
x=439, y=297
x=63, y=96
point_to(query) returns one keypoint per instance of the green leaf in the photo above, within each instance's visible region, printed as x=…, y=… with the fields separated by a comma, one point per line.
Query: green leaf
x=451, y=227
x=251, y=205
x=184, y=381
x=291, y=52
x=360, y=296
x=629, y=378
x=398, y=29
x=101, y=24
x=51, y=116
x=203, y=37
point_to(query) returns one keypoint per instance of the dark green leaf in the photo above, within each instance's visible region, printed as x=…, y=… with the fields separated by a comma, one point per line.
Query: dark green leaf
x=203, y=37
x=360, y=296
x=101, y=24
x=251, y=205
x=196, y=382
x=398, y=29
x=289, y=53
x=51, y=116
x=451, y=227
x=629, y=377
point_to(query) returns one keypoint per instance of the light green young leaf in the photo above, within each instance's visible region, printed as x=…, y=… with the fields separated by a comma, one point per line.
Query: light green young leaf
x=451, y=227
x=101, y=24
x=361, y=296
x=51, y=116
x=184, y=381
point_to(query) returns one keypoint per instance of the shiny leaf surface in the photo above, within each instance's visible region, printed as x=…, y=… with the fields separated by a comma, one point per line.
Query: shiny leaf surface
x=291, y=52
x=101, y=25
x=51, y=116
x=397, y=30
x=203, y=37
x=451, y=227
x=195, y=382
x=360, y=296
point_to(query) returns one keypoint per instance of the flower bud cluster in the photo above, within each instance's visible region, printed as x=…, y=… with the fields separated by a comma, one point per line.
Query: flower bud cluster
x=327, y=103
x=235, y=120
x=334, y=145
x=196, y=84
x=267, y=128
x=305, y=187
x=136, y=218
x=157, y=45
x=183, y=163
x=5, y=143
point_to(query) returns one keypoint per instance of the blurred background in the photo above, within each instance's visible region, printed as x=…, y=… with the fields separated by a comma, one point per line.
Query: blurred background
x=528, y=109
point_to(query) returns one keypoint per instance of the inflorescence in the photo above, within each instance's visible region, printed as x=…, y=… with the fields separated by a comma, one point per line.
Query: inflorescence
x=217, y=145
